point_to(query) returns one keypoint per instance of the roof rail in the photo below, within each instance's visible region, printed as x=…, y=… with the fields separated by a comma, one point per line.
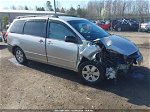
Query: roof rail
x=18, y=17
x=53, y=15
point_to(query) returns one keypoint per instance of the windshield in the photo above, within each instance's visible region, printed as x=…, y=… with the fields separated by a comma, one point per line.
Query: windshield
x=88, y=30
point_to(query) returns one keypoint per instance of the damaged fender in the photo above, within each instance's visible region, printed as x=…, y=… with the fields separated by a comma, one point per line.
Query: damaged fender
x=90, y=51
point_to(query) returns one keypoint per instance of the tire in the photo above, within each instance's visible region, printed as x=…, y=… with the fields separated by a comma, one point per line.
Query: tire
x=119, y=29
x=91, y=73
x=20, y=56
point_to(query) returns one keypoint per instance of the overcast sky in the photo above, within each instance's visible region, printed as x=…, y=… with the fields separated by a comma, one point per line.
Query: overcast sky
x=7, y=4
x=41, y=3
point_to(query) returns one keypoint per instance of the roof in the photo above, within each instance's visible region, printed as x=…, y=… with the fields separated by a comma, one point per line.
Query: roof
x=65, y=18
x=69, y=18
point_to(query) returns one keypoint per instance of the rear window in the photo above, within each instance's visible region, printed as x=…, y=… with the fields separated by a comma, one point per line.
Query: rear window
x=17, y=27
x=35, y=28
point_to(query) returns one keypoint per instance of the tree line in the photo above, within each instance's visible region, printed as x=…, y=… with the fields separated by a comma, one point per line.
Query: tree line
x=105, y=9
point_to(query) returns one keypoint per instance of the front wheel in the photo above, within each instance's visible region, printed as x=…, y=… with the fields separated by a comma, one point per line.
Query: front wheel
x=91, y=72
x=20, y=56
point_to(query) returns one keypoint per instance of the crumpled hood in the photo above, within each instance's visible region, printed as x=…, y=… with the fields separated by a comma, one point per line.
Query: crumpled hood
x=119, y=44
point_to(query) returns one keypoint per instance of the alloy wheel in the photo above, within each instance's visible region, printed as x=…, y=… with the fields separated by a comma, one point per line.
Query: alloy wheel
x=90, y=73
x=19, y=56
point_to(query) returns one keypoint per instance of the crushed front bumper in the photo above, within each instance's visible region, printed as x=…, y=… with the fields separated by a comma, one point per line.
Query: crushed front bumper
x=112, y=72
x=139, y=60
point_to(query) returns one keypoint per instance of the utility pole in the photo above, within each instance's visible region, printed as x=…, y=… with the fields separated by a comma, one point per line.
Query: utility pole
x=78, y=6
x=55, y=6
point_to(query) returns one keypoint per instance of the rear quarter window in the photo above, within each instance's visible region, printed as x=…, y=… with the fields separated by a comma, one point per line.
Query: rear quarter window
x=17, y=27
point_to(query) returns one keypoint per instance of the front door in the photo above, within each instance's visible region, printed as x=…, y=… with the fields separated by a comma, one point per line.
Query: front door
x=60, y=52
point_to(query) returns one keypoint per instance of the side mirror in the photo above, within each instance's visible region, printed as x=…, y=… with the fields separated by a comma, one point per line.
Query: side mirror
x=71, y=39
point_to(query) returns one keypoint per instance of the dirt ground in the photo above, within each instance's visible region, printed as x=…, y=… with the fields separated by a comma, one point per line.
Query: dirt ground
x=41, y=86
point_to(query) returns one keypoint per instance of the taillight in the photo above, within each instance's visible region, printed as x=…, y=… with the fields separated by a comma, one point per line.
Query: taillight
x=6, y=35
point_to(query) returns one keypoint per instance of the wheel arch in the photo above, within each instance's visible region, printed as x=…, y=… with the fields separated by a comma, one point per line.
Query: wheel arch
x=84, y=59
x=13, y=49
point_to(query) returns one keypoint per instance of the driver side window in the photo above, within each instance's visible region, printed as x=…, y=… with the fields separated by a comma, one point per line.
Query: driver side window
x=58, y=31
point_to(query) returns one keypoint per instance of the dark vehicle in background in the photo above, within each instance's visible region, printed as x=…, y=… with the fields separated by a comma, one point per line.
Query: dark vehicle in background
x=127, y=25
x=113, y=23
x=145, y=26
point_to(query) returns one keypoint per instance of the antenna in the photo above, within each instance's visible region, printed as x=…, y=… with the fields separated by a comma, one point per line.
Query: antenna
x=55, y=6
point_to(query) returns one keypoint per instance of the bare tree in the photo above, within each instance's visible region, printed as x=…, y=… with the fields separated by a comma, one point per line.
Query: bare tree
x=62, y=10
x=20, y=7
x=94, y=9
x=49, y=6
x=13, y=7
x=26, y=8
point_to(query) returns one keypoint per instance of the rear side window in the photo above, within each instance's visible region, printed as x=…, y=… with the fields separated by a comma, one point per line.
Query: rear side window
x=17, y=27
x=35, y=28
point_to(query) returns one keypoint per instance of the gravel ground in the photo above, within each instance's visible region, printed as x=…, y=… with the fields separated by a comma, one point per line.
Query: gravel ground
x=41, y=86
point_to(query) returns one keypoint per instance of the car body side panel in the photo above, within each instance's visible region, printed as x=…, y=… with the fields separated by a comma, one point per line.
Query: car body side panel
x=62, y=53
x=34, y=47
x=31, y=46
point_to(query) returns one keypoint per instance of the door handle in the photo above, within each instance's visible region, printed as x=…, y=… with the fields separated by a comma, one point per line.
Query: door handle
x=41, y=41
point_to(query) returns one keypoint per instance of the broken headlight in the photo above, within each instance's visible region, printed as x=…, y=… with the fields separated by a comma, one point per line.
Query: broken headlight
x=112, y=51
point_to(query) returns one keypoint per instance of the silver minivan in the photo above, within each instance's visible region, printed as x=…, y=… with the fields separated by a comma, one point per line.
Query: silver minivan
x=72, y=43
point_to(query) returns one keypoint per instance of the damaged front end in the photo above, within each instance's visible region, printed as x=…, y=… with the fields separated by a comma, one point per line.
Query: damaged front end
x=112, y=56
x=114, y=62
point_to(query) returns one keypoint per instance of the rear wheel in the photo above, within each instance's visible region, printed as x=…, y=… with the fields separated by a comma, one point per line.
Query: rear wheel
x=91, y=72
x=20, y=56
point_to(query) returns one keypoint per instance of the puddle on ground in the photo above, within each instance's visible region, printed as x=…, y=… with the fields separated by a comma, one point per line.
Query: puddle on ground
x=14, y=61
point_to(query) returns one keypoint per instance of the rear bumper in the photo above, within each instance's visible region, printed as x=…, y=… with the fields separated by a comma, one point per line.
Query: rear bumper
x=10, y=48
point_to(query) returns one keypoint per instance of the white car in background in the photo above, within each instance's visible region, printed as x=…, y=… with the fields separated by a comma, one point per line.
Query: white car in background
x=145, y=27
